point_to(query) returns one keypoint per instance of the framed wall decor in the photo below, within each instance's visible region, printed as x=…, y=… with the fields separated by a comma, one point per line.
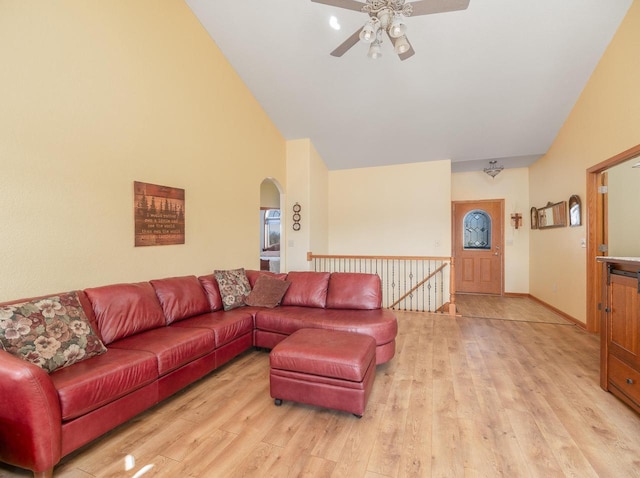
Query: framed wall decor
x=552, y=215
x=575, y=212
x=159, y=214
x=534, y=218
x=296, y=217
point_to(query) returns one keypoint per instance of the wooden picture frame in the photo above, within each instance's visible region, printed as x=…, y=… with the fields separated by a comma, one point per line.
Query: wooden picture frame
x=534, y=218
x=159, y=215
x=575, y=211
x=552, y=215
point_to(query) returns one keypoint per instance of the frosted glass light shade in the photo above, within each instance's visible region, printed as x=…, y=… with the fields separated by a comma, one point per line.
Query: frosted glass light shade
x=375, y=51
x=397, y=28
x=368, y=32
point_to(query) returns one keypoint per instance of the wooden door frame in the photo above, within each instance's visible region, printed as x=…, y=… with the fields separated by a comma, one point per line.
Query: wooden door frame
x=453, y=232
x=595, y=224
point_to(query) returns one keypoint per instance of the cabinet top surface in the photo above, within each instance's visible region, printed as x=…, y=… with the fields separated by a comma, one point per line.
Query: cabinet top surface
x=635, y=260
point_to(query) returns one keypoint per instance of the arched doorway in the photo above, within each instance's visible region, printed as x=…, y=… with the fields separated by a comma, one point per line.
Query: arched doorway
x=271, y=257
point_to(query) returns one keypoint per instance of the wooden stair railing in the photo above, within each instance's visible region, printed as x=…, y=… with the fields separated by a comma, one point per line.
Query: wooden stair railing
x=415, y=283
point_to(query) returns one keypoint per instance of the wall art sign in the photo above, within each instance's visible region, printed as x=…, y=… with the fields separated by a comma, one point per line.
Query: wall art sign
x=159, y=214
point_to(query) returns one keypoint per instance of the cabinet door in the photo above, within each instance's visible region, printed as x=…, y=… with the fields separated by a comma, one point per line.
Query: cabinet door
x=624, y=303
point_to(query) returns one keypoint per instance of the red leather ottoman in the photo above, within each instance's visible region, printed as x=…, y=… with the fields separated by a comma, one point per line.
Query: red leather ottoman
x=326, y=368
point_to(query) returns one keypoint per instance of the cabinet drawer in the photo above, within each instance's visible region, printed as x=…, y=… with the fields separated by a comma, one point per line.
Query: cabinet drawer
x=624, y=378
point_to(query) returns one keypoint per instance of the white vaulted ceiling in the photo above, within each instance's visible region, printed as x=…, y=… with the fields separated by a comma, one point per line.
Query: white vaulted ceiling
x=494, y=81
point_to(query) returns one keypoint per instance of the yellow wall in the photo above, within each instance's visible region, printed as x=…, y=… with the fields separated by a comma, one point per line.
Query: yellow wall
x=96, y=95
x=391, y=210
x=604, y=121
x=512, y=185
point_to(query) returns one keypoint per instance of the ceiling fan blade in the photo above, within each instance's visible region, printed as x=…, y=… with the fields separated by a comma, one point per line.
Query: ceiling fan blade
x=348, y=4
x=427, y=7
x=348, y=43
x=407, y=54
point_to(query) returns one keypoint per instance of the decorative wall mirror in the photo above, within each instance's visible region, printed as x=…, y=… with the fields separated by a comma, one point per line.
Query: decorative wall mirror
x=575, y=211
x=534, y=218
x=552, y=215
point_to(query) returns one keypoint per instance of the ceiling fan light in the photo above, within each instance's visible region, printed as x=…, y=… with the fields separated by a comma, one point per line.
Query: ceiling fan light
x=375, y=51
x=402, y=45
x=397, y=28
x=368, y=32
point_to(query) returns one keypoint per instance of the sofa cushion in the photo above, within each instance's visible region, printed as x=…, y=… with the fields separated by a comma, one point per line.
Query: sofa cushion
x=210, y=286
x=253, y=276
x=125, y=309
x=172, y=346
x=226, y=325
x=307, y=289
x=234, y=287
x=90, y=384
x=380, y=324
x=50, y=332
x=267, y=292
x=351, y=290
x=181, y=297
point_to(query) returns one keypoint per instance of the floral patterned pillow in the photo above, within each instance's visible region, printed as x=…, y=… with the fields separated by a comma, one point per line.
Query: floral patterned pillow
x=51, y=333
x=234, y=287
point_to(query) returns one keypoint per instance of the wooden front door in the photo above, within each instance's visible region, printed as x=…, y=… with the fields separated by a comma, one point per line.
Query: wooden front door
x=478, y=246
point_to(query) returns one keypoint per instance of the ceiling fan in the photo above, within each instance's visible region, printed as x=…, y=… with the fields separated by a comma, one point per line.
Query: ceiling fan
x=386, y=16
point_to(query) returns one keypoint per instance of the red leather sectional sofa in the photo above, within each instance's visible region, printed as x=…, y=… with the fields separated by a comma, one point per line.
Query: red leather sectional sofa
x=161, y=336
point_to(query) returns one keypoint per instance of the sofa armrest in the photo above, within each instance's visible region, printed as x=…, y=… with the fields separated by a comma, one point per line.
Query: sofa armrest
x=30, y=420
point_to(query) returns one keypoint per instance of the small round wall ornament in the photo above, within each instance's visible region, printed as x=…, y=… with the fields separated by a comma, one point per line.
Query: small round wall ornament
x=296, y=217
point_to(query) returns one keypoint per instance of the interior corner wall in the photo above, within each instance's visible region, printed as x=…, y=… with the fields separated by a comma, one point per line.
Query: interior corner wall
x=319, y=203
x=512, y=185
x=307, y=179
x=603, y=123
x=391, y=210
x=97, y=95
x=623, y=220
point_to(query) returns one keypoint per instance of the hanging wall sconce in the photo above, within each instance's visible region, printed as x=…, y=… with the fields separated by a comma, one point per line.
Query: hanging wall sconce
x=516, y=219
x=296, y=216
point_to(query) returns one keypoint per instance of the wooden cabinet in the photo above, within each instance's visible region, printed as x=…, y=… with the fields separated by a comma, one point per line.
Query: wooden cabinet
x=620, y=329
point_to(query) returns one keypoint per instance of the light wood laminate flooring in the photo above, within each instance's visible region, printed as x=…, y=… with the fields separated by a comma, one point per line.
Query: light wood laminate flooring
x=463, y=397
x=505, y=308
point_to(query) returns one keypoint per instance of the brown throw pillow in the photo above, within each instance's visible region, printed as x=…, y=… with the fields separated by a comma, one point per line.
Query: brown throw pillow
x=51, y=333
x=267, y=292
x=234, y=287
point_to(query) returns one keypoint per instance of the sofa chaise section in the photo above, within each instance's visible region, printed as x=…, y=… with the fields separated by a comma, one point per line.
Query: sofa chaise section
x=349, y=302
